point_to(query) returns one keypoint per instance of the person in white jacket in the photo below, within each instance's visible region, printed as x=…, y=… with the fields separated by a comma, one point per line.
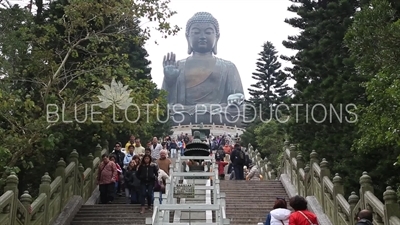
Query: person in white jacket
x=280, y=214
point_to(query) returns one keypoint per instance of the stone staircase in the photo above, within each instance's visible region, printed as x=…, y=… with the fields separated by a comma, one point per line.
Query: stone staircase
x=117, y=213
x=248, y=202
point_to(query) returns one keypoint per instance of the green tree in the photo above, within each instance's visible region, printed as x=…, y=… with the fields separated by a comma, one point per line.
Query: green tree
x=270, y=88
x=326, y=83
x=373, y=41
x=249, y=136
x=270, y=138
x=63, y=56
x=269, y=91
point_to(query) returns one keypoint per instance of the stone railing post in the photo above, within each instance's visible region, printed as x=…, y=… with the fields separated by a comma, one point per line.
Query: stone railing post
x=215, y=192
x=286, y=145
x=79, y=185
x=366, y=185
x=106, y=145
x=337, y=189
x=292, y=154
x=306, y=180
x=273, y=174
x=169, y=188
x=300, y=161
x=258, y=157
x=221, y=200
x=45, y=188
x=313, y=159
x=26, y=200
x=264, y=163
x=74, y=157
x=60, y=171
x=90, y=159
x=353, y=200
x=325, y=172
x=268, y=172
x=12, y=185
x=97, y=151
x=157, y=197
x=300, y=165
x=392, y=207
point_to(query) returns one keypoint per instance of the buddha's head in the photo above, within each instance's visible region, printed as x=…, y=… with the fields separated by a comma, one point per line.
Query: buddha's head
x=202, y=33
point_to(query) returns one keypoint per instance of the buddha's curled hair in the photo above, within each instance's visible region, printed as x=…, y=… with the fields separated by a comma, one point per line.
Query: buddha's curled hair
x=202, y=17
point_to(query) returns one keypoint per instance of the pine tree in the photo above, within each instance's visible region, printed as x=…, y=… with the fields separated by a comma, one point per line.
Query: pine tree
x=270, y=88
x=325, y=74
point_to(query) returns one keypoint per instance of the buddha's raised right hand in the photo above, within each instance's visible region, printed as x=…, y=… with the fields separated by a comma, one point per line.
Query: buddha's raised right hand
x=171, y=70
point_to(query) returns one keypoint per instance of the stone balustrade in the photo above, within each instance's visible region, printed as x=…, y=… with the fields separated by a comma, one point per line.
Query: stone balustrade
x=214, y=129
x=72, y=179
x=313, y=179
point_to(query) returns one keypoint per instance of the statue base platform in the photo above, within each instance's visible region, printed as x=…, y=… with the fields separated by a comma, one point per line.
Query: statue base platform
x=214, y=129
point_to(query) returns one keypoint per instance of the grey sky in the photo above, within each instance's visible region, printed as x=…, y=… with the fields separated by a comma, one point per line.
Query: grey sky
x=245, y=25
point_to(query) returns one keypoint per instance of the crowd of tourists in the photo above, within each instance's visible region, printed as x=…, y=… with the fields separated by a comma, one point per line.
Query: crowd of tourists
x=137, y=172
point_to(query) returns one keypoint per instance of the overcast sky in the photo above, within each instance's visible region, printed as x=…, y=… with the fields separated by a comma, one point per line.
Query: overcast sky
x=244, y=25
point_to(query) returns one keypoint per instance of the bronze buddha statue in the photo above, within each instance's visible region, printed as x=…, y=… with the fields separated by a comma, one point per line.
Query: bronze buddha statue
x=202, y=78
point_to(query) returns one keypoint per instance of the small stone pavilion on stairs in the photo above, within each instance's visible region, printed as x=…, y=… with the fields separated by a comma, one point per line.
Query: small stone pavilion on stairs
x=195, y=195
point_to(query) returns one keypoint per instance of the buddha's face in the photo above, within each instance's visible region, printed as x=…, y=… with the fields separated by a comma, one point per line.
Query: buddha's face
x=202, y=37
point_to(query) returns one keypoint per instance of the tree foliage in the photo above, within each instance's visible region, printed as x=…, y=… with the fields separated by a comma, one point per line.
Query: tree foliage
x=61, y=57
x=266, y=132
x=373, y=41
x=328, y=93
x=270, y=88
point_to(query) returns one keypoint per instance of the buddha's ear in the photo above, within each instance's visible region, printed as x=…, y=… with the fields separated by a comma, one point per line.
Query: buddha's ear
x=190, y=50
x=215, y=49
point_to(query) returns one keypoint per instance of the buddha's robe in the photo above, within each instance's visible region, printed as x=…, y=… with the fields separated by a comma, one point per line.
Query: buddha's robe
x=215, y=88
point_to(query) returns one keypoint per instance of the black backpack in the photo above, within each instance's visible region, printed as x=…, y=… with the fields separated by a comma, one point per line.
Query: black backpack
x=241, y=157
x=219, y=155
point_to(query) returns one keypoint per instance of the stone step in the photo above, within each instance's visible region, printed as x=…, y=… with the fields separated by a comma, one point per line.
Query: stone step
x=256, y=182
x=104, y=223
x=105, y=213
x=248, y=220
x=120, y=217
x=262, y=193
x=249, y=202
x=252, y=188
x=110, y=206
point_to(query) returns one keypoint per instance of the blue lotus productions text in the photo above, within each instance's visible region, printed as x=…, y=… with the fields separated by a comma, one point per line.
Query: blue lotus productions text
x=247, y=113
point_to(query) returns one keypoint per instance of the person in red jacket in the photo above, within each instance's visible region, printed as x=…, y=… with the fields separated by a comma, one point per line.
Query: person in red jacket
x=221, y=169
x=301, y=216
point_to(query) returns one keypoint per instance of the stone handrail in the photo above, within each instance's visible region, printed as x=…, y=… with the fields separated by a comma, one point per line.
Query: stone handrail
x=169, y=203
x=72, y=179
x=216, y=129
x=314, y=179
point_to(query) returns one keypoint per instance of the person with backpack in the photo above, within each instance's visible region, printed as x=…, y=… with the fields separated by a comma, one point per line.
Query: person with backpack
x=238, y=160
x=220, y=154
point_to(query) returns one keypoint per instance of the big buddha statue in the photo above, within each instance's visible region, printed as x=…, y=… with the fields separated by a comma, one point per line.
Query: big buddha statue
x=202, y=81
